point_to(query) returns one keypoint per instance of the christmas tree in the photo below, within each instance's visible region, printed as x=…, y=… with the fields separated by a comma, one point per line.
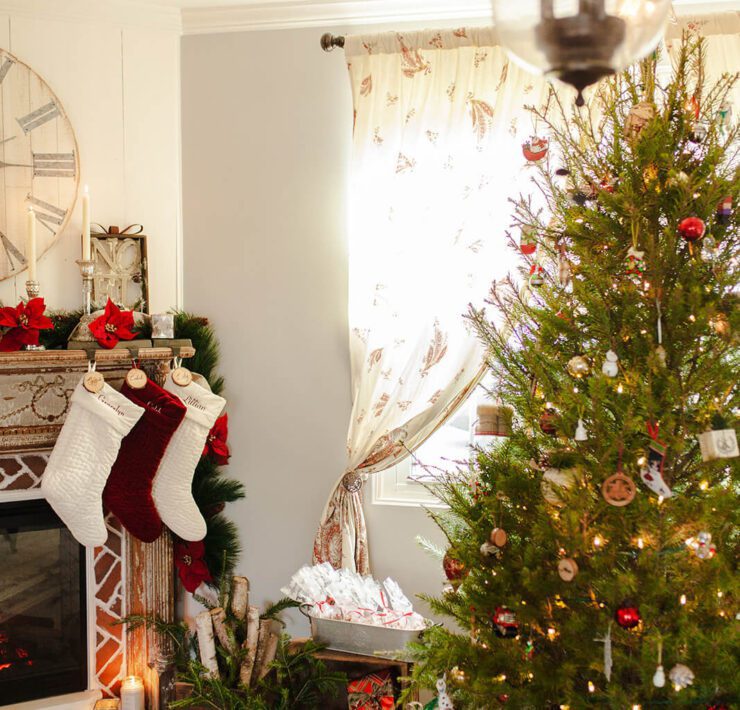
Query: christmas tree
x=592, y=552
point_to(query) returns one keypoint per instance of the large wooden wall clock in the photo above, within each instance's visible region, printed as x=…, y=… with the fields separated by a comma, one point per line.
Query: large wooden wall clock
x=39, y=163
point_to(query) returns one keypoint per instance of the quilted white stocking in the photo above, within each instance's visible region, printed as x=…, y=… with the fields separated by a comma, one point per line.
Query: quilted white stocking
x=172, y=488
x=82, y=458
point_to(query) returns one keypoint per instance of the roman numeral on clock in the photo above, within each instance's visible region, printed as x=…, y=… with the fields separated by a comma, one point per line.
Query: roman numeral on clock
x=47, y=214
x=38, y=117
x=5, y=68
x=54, y=165
x=12, y=252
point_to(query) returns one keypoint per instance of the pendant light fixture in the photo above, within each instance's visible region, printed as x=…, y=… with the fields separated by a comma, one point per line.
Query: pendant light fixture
x=579, y=41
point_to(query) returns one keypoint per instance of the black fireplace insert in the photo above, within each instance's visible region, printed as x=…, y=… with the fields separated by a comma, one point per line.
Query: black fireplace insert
x=43, y=617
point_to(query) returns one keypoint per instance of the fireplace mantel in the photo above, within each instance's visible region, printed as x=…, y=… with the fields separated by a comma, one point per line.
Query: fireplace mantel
x=124, y=576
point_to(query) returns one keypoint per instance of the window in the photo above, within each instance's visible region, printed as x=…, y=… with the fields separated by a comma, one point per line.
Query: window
x=448, y=451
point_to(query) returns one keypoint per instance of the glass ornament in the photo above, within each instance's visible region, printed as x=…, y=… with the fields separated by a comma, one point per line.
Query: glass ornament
x=579, y=41
x=627, y=615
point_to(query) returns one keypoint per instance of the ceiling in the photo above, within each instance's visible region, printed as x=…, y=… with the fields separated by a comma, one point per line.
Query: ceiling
x=208, y=16
x=194, y=4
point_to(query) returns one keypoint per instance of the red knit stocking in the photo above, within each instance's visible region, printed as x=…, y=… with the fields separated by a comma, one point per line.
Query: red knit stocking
x=128, y=492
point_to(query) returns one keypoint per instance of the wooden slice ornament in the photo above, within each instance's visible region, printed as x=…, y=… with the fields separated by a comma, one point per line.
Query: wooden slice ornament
x=618, y=490
x=136, y=378
x=181, y=376
x=567, y=569
x=93, y=381
x=498, y=537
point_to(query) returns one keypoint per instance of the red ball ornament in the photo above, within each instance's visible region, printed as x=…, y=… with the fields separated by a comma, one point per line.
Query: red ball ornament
x=549, y=422
x=627, y=616
x=691, y=228
x=455, y=570
x=504, y=623
x=528, y=243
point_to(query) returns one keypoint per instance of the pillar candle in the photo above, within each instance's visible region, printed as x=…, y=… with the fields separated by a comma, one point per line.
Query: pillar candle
x=86, y=225
x=132, y=693
x=31, y=243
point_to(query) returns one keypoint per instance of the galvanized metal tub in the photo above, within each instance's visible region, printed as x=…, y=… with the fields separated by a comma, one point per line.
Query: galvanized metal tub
x=362, y=639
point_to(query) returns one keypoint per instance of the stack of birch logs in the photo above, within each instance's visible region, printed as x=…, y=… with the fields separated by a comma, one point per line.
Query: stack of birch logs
x=260, y=641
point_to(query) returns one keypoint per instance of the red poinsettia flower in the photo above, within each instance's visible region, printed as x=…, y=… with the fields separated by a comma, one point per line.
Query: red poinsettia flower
x=112, y=326
x=216, y=445
x=191, y=567
x=25, y=321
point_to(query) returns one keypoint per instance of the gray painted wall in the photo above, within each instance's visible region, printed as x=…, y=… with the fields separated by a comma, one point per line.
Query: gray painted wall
x=266, y=122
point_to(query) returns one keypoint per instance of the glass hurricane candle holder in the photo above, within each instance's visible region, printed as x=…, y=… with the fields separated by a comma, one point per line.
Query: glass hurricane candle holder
x=132, y=693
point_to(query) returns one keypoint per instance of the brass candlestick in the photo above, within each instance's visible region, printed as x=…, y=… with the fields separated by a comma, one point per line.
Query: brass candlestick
x=87, y=269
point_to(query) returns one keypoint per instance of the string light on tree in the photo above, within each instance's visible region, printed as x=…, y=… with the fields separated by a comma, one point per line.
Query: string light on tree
x=636, y=381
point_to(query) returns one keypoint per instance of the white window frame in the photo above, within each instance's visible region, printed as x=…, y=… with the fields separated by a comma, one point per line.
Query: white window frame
x=396, y=487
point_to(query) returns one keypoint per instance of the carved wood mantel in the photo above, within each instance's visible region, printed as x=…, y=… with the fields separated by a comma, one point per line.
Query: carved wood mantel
x=125, y=576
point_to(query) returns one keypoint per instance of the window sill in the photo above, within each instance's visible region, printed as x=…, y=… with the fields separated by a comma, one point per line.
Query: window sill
x=393, y=488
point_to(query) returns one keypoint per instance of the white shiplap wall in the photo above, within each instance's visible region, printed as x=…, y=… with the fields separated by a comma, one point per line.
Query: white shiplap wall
x=117, y=74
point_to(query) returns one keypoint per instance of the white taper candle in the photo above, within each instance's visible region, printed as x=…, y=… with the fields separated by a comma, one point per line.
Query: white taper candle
x=86, y=224
x=31, y=243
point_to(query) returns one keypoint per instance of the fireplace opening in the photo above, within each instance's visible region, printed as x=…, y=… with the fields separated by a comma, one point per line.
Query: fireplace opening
x=43, y=619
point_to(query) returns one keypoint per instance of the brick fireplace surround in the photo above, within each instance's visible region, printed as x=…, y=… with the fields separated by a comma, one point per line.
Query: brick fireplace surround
x=124, y=576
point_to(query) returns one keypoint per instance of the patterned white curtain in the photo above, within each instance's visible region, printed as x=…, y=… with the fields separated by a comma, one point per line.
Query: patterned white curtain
x=439, y=123
x=722, y=34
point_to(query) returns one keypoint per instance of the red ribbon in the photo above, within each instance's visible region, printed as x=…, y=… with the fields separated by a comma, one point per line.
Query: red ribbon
x=694, y=106
x=652, y=428
x=398, y=618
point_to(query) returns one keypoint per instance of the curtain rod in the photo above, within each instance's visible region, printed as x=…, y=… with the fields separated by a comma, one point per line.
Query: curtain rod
x=329, y=41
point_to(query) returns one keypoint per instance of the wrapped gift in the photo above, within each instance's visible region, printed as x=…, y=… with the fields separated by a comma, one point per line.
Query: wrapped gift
x=371, y=692
x=718, y=444
x=493, y=420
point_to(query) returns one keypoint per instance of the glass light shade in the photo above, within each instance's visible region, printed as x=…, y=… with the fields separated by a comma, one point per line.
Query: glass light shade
x=579, y=41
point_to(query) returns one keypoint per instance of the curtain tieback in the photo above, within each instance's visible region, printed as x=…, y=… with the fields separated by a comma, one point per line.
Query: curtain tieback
x=352, y=482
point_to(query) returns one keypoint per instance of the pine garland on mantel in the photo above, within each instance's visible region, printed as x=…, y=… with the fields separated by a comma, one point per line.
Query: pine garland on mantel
x=211, y=488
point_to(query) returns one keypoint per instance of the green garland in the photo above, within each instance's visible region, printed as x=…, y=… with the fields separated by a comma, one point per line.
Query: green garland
x=211, y=488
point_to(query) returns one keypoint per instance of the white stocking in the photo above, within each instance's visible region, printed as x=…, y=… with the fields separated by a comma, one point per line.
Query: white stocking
x=82, y=458
x=172, y=489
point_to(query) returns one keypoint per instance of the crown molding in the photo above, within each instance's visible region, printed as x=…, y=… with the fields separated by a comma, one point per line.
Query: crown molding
x=121, y=13
x=288, y=15
x=253, y=15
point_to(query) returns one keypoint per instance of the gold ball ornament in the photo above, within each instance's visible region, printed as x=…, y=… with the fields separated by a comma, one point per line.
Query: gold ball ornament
x=578, y=366
x=650, y=176
x=567, y=569
x=618, y=490
x=456, y=675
